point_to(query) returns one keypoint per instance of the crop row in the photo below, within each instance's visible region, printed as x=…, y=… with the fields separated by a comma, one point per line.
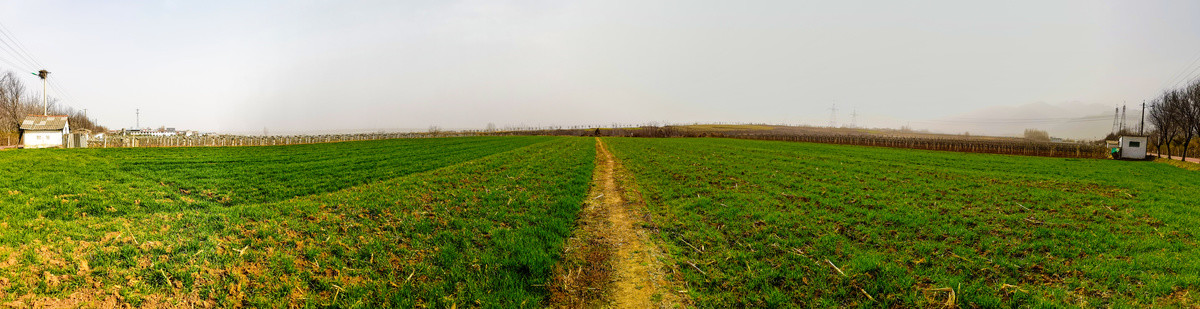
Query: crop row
x=263, y=174
x=482, y=228
x=762, y=223
x=113, y=182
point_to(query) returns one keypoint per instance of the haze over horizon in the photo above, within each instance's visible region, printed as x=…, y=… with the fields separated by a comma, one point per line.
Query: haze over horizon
x=242, y=66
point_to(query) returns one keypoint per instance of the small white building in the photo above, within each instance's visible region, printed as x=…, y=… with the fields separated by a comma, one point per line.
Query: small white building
x=1133, y=147
x=44, y=131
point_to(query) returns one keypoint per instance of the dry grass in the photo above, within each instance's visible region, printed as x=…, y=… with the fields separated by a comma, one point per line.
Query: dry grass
x=1180, y=164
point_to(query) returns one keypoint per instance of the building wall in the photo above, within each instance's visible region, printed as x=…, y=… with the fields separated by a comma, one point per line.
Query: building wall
x=1130, y=152
x=42, y=139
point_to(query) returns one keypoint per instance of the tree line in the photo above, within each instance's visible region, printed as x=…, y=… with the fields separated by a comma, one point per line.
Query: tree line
x=17, y=101
x=1175, y=115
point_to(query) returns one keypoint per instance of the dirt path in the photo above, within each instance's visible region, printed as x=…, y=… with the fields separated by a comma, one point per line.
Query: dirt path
x=1192, y=160
x=611, y=261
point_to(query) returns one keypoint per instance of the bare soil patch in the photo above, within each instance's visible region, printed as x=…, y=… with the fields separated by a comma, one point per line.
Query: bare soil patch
x=612, y=262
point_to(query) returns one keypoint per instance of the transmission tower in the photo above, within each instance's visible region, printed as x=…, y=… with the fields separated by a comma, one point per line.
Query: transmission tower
x=1116, y=119
x=1122, y=119
x=833, y=116
x=854, y=118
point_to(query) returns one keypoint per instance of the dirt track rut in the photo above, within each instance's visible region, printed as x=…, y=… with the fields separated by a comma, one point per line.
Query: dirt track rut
x=616, y=263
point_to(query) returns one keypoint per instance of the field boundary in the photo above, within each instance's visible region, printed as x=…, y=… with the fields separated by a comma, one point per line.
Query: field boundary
x=859, y=137
x=1189, y=165
x=215, y=200
x=612, y=261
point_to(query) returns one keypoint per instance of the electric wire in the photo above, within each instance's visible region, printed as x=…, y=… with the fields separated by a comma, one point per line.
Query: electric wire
x=1195, y=77
x=8, y=33
x=18, y=50
x=62, y=91
x=1191, y=76
x=15, y=54
x=12, y=65
x=1175, y=77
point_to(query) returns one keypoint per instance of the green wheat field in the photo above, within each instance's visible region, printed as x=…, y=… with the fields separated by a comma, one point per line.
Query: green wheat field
x=481, y=222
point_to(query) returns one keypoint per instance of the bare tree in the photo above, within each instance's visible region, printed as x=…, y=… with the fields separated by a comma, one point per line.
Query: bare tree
x=1186, y=116
x=1037, y=135
x=1165, y=127
x=12, y=93
x=1191, y=110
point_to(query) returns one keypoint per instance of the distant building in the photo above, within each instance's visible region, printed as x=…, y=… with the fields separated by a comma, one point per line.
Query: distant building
x=1132, y=147
x=39, y=131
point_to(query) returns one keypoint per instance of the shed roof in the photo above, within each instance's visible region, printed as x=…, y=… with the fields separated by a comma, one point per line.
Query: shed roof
x=41, y=122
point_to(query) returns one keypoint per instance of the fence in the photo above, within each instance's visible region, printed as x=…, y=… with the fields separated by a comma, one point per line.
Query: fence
x=117, y=141
x=1025, y=148
x=1012, y=147
x=959, y=144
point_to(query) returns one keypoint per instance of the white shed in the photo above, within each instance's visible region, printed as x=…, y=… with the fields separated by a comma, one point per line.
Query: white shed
x=44, y=131
x=1133, y=147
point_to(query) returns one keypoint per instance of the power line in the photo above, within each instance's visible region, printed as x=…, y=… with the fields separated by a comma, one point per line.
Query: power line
x=8, y=33
x=4, y=30
x=12, y=51
x=1189, y=77
x=18, y=50
x=63, y=89
x=13, y=65
x=1183, y=69
x=12, y=47
x=62, y=93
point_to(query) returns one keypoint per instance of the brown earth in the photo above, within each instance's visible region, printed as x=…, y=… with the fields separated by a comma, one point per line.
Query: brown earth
x=612, y=262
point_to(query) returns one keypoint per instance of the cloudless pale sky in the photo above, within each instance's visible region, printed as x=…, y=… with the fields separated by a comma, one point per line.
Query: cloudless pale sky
x=329, y=66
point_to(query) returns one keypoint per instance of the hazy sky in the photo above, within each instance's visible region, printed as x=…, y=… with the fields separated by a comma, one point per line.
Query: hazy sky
x=291, y=66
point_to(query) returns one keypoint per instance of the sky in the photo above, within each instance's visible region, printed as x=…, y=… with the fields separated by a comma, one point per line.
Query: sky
x=352, y=66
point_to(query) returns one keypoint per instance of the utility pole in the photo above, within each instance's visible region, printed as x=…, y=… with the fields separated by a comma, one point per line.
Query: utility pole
x=1142, y=123
x=833, y=116
x=45, y=107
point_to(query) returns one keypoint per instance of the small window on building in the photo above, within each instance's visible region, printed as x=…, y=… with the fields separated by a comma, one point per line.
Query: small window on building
x=1135, y=144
